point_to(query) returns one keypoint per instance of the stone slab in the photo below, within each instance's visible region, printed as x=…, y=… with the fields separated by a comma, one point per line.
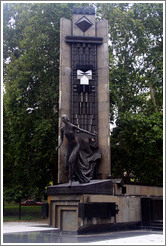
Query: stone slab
x=93, y=187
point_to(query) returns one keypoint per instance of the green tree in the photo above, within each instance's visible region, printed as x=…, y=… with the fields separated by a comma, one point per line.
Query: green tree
x=136, y=88
x=137, y=148
x=31, y=75
x=136, y=55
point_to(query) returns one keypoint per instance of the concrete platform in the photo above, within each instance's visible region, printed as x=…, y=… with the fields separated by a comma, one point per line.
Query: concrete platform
x=14, y=227
x=39, y=232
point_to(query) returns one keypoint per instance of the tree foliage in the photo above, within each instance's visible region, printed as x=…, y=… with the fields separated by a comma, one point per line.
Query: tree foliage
x=137, y=148
x=136, y=88
x=31, y=75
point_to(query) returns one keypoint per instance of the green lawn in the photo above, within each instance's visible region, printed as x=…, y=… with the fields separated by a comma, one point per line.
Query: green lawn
x=11, y=213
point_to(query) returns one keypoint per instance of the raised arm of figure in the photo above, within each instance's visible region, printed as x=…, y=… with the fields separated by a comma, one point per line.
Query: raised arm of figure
x=85, y=131
x=61, y=138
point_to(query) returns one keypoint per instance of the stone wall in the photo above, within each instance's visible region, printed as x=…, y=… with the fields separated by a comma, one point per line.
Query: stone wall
x=139, y=190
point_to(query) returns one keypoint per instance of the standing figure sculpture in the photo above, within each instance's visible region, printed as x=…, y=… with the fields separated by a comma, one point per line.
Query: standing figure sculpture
x=80, y=159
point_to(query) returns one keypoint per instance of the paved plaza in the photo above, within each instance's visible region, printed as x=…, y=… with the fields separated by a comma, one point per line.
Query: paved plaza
x=40, y=232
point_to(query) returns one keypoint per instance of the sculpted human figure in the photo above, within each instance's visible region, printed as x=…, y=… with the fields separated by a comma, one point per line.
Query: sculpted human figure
x=74, y=145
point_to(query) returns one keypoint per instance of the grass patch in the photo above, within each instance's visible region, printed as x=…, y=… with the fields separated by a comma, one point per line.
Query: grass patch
x=23, y=218
x=24, y=209
x=11, y=213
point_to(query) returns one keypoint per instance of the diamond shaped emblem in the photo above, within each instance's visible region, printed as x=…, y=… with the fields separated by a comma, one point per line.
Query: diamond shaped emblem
x=84, y=24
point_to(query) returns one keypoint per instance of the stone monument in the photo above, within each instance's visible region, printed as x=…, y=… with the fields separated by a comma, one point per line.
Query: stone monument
x=84, y=82
x=91, y=199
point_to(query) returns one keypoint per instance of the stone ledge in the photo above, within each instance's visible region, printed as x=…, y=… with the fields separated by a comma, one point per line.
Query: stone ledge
x=93, y=187
x=84, y=39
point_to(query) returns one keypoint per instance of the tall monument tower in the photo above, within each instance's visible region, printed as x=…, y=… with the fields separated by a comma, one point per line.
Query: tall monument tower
x=100, y=203
x=84, y=82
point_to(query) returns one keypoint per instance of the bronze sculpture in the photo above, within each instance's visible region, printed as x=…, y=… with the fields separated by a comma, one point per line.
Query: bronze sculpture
x=81, y=159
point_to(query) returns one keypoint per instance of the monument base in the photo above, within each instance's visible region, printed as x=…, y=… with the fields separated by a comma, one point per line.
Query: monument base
x=93, y=187
x=98, y=205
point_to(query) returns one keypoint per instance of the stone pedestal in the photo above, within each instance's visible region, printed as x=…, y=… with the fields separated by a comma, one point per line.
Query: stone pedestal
x=71, y=208
x=99, y=205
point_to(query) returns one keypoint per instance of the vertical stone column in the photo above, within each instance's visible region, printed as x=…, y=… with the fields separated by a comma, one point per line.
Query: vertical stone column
x=103, y=101
x=64, y=91
x=76, y=36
